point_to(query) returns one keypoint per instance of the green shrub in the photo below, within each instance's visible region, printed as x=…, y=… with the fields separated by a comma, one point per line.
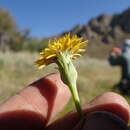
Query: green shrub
x=35, y=44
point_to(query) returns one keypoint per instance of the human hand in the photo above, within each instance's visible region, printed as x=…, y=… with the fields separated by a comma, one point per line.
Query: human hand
x=35, y=106
x=116, y=51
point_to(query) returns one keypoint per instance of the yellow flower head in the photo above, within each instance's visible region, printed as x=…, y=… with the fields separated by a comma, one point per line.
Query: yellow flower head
x=73, y=45
x=61, y=51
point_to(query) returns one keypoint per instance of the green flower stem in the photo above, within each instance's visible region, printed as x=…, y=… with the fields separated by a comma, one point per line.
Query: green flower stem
x=77, y=100
x=69, y=77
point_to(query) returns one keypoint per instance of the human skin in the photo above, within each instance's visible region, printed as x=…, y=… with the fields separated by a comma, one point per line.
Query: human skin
x=36, y=105
x=117, y=51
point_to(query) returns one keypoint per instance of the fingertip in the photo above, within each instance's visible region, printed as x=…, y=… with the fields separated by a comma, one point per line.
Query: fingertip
x=101, y=120
x=111, y=102
x=45, y=97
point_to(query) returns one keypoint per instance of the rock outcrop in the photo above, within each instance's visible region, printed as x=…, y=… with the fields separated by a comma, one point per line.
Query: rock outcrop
x=104, y=32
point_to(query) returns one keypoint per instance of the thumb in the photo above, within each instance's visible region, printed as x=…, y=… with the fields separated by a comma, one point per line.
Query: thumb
x=101, y=120
x=35, y=105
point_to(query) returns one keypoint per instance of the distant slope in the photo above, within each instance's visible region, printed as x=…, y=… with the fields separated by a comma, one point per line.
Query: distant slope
x=104, y=32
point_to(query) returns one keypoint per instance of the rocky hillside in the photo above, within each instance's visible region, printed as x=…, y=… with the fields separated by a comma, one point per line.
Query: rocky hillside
x=104, y=32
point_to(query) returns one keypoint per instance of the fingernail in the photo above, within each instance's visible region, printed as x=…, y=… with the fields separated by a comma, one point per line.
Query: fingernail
x=102, y=120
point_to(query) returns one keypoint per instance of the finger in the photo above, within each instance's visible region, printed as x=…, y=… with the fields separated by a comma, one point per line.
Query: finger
x=101, y=120
x=110, y=102
x=35, y=105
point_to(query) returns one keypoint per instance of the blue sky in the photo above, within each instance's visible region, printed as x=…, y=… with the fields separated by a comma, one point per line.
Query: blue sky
x=51, y=17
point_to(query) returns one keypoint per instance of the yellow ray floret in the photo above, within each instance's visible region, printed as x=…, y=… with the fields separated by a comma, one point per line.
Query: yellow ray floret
x=73, y=45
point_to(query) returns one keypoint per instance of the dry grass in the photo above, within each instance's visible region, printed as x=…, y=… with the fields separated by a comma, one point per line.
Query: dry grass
x=17, y=71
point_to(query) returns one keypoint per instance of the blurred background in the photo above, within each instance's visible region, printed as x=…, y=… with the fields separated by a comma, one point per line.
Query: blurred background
x=26, y=26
